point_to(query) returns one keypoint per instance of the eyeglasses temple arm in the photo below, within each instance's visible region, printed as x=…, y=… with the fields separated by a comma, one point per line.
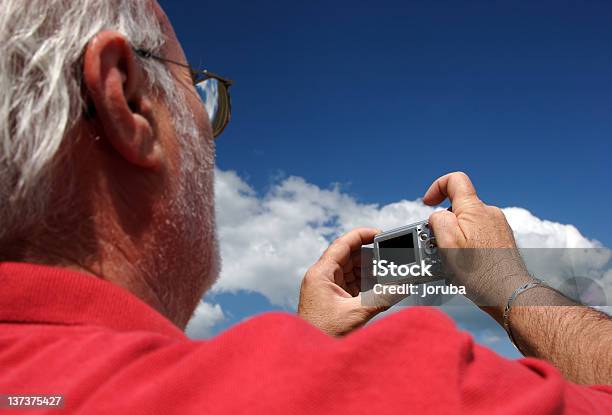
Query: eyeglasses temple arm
x=146, y=54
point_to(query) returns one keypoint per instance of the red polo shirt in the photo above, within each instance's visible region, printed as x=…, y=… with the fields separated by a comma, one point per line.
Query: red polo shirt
x=106, y=352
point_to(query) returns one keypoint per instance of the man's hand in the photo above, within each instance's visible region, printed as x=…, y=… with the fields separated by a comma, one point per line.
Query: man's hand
x=329, y=296
x=493, y=270
x=576, y=339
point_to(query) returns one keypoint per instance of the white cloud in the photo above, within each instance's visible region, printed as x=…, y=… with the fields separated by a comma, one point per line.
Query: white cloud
x=206, y=316
x=532, y=232
x=268, y=241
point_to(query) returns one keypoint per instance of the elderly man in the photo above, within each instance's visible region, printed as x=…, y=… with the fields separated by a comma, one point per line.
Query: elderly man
x=107, y=241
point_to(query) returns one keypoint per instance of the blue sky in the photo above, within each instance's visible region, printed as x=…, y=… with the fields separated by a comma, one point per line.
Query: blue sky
x=383, y=98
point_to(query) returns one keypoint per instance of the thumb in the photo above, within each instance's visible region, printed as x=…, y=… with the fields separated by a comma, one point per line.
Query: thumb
x=375, y=303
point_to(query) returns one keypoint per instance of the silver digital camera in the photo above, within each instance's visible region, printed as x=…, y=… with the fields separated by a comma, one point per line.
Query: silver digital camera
x=408, y=246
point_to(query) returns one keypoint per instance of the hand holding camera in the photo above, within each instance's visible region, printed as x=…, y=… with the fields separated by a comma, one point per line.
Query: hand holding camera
x=329, y=296
x=476, y=243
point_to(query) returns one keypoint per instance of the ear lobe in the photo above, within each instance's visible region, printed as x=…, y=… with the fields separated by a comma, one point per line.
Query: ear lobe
x=114, y=82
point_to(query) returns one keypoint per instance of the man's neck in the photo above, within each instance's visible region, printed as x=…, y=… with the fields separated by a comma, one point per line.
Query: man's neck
x=113, y=262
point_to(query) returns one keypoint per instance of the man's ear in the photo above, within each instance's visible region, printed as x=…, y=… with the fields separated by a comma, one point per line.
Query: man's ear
x=114, y=84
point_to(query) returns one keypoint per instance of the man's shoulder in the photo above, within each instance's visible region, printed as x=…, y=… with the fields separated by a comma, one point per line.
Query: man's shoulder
x=73, y=345
x=275, y=362
x=267, y=340
x=287, y=327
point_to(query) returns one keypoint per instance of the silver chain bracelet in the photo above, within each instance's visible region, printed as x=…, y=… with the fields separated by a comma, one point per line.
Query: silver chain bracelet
x=516, y=293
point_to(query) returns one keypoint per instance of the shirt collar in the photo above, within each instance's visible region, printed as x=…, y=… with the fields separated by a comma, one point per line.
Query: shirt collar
x=48, y=295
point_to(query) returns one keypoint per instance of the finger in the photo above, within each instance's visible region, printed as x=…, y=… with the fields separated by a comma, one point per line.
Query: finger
x=326, y=270
x=456, y=186
x=446, y=229
x=349, y=277
x=340, y=250
x=348, y=265
x=354, y=262
x=353, y=288
x=356, y=259
x=339, y=278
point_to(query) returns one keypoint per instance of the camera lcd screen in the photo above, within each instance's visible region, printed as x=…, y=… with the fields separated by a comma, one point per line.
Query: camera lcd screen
x=399, y=250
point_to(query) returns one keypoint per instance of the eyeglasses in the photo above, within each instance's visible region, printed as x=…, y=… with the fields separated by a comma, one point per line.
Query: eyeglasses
x=212, y=89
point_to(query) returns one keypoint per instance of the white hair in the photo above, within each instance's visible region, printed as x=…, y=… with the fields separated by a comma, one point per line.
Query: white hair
x=42, y=44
